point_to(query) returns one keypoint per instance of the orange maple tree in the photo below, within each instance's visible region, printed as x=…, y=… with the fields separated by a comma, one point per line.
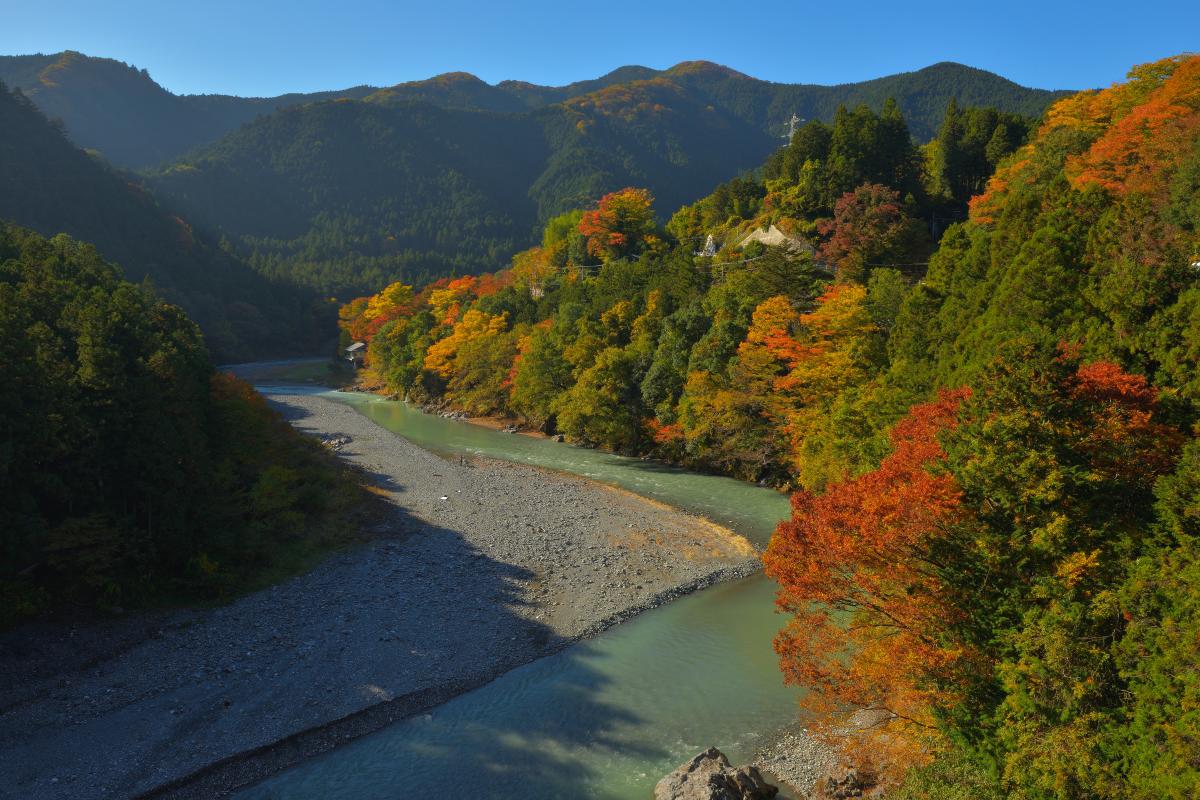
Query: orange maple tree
x=851, y=572
x=879, y=573
x=1138, y=131
x=620, y=225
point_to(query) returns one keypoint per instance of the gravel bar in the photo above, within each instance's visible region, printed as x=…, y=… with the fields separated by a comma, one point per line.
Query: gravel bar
x=483, y=566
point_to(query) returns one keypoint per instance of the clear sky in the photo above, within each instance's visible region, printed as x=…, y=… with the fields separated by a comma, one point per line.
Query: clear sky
x=268, y=47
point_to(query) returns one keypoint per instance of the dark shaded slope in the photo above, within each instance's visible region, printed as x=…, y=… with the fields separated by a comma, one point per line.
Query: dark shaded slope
x=52, y=187
x=109, y=106
x=346, y=195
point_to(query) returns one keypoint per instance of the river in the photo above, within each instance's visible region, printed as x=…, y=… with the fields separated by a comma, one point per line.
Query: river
x=605, y=718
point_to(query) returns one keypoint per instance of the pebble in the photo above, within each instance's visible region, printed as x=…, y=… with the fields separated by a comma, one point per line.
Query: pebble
x=470, y=589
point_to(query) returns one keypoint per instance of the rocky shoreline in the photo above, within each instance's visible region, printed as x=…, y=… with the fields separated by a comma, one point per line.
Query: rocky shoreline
x=482, y=566
x=796, y=760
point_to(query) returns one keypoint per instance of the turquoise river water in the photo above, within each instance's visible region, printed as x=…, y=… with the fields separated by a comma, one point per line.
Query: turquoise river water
x=605, y=718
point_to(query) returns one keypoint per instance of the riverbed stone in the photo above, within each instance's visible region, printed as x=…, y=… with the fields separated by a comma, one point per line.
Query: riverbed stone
x=710, y=776
x=849, y=781
x=441, y=597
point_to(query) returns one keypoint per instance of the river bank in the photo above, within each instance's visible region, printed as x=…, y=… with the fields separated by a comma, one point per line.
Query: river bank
x=484, y=566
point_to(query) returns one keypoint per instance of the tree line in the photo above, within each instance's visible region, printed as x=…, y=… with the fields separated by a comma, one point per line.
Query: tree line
x=131, y=471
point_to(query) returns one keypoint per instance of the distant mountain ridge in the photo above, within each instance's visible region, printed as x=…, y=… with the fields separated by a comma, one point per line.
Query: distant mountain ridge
x=346, y=196
x=119, y=110
x=109, y=106
x=49, y=185
x=342, y=192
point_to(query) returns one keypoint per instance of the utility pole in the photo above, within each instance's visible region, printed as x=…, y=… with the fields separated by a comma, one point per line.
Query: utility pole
x=795, y=120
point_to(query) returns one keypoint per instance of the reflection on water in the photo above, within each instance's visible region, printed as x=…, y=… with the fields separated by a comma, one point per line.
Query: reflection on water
x=605, y=718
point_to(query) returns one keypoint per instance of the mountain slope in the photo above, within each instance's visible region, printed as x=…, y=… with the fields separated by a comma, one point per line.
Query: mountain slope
x=346, y=193
x=922, y=95
x=52, y=187
x=452, y=174
x=535, y=96
x=453, y=90
x=347, y=196
x=120, y=111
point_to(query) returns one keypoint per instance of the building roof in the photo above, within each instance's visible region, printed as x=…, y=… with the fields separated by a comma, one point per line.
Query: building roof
x=776, y=238
x=354, y=348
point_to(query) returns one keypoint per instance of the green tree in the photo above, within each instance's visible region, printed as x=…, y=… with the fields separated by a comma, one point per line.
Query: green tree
x=603, y=407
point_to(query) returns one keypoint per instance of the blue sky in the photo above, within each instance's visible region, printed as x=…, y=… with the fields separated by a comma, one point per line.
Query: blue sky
x=266, y=47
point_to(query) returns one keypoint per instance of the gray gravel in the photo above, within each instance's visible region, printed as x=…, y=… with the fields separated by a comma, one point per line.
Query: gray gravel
x=794, y=759
x=483, y=566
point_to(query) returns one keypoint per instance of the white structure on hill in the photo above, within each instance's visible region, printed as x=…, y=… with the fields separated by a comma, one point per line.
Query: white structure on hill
x=773, y=237
x=793, y=123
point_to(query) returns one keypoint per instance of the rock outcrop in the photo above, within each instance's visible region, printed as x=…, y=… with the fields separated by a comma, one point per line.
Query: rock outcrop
x=710, y=776
x=848, y=782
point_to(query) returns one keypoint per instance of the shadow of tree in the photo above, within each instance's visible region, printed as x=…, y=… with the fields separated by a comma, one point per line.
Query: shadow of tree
x=471, y=747
x=484, y=743
x=393, y=628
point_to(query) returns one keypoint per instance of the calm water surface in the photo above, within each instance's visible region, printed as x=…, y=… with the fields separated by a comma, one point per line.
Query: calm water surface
x=602, y=719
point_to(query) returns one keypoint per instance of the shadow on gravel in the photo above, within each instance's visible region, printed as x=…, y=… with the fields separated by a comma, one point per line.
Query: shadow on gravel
x=406, y=624
x=518, y=736
x=220, y=697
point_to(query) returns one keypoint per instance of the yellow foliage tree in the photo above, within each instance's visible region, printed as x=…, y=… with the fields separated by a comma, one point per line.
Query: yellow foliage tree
x=439, y=358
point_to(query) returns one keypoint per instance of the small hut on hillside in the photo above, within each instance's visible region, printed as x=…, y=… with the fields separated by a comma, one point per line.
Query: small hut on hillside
x=356, y=352
x=773, y=237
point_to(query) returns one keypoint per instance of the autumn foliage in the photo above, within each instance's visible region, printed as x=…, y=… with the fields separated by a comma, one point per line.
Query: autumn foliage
x=1135, y=133
x=1005, y=572
x=622, y=224
x=942, y=577
x=853, y=574
x=868, y=225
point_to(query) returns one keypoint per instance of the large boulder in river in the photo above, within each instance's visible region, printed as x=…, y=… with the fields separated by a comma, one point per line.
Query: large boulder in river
x=710, y=776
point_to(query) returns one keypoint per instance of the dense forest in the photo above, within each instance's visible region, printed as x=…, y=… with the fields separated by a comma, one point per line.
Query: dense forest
x=51, y=186
x=341, y=193
x=961, y=328
x=132, y=472
x=990, y=424
x=614, y=333
x=452, y=175
x=346, y=197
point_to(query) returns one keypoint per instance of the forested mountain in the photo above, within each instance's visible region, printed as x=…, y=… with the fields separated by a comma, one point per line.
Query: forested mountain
x=850, y=198
x=120, y=111
x=346, y=196
x=535, y=96
x=412, y=182
x=53, y=187
x=921, y=95
x=109, y=106
x=994, y=447
x=130, y=470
